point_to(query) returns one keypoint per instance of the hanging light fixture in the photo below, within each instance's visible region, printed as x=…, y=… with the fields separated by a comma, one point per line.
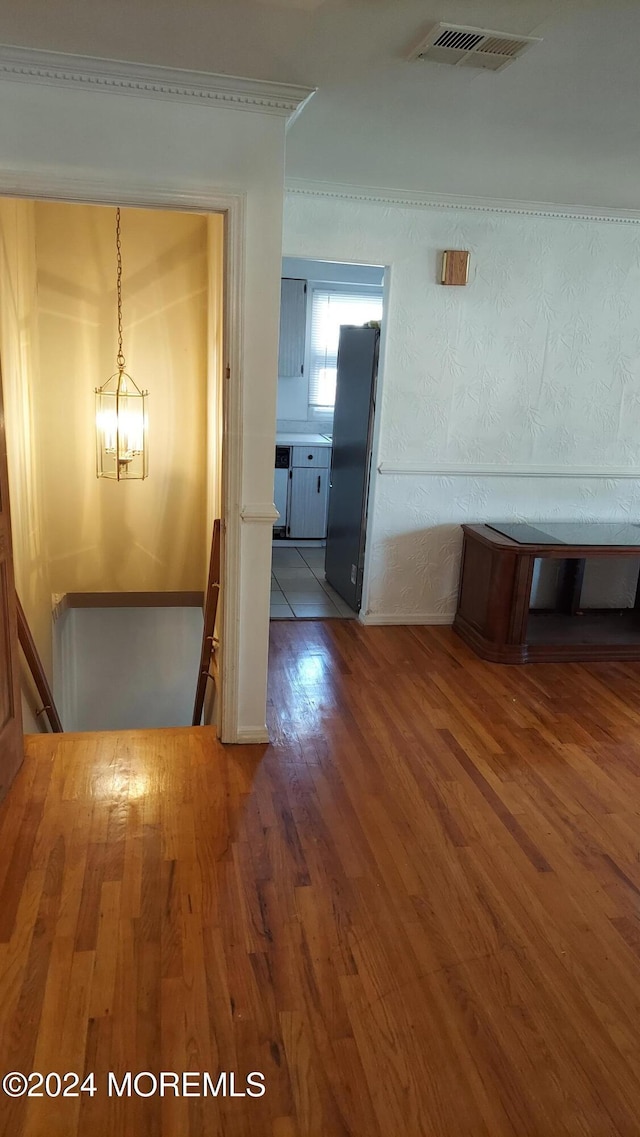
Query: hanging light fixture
x=121, y=411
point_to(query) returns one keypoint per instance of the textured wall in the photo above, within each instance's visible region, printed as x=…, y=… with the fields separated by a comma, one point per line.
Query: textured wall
x=534, y=366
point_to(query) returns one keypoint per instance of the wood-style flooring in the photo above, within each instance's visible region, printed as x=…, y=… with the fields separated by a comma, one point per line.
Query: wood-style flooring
x=417, y=912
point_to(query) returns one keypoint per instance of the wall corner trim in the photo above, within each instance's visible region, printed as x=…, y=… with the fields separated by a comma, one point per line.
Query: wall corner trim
x=59, y=605
x=416, y=199
x=59, y=69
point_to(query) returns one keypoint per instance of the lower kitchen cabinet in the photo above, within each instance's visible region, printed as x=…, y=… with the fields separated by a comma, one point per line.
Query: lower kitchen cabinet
x=308, y=501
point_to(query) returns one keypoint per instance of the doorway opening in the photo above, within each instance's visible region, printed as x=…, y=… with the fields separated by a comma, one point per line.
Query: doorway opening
x=330, y=322
x=112, y=574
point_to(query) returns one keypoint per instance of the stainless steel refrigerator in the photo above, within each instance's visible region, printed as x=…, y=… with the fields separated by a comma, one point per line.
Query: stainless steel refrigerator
x=351, y=461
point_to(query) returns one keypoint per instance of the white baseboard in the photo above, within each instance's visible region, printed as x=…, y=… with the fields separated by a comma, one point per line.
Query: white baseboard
x=434, y=618
x=251, y=734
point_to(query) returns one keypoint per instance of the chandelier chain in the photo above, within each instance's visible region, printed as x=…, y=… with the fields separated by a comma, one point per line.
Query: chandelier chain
x=120, y=357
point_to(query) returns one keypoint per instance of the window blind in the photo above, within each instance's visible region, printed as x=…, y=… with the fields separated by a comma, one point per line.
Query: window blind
x=330, y=308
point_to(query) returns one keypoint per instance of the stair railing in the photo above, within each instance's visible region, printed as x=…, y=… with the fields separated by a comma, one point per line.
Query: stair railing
x=27, y=643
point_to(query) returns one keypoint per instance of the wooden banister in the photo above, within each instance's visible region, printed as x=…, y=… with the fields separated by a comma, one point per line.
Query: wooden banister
x=208, y=663
x=34, y=663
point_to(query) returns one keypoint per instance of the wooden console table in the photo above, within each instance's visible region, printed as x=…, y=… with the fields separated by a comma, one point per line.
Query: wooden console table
x=494, y=615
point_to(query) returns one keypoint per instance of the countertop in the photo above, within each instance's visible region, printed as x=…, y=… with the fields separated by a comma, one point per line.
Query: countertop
x=303, y=440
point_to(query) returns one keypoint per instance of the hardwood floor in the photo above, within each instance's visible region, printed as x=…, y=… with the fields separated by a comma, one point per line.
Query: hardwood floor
x=416, y=912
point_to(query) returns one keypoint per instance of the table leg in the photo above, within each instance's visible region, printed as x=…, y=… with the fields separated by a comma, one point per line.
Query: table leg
x=571, y=578
x=636, y=603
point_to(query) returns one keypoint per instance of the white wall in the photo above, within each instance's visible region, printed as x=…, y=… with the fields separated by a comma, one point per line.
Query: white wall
x=124, y=142
x=19, y=364
x=127, y=668
x=534, y=365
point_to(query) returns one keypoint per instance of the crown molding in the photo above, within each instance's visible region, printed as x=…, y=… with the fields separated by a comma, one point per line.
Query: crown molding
x=425, y=200
x=487, y=470
x=80, y=72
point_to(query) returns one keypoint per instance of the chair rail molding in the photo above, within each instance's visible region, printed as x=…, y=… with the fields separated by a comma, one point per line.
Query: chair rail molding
x=489, y=470
x=59, y=69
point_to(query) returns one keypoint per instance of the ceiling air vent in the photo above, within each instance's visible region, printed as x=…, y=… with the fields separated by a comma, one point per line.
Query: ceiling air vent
x=471, y=47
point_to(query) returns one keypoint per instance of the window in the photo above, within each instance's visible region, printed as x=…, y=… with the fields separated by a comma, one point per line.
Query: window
x=330, y=308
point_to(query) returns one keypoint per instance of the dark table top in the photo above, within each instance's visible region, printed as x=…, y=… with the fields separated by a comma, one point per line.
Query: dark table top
x=570, y=532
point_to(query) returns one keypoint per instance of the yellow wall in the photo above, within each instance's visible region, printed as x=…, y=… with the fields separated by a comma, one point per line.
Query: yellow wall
x=72, y=532
x=20, y=371
x=102, y=535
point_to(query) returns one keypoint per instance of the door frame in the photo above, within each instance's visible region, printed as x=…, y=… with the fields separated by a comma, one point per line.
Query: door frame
x=374, y=473
x=83, y=190
x=338, y=256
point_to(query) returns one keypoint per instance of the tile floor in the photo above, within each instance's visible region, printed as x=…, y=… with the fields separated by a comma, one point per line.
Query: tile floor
x=298, y=587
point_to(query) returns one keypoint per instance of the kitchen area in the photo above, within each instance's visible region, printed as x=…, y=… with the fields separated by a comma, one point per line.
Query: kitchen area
x=324, y=436
x=301, y=485
x=301, y=495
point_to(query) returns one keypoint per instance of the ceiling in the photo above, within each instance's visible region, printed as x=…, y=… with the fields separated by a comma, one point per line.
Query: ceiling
x=561, y=124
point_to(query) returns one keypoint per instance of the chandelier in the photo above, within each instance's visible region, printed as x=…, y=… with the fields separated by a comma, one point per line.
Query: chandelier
x=121, y=411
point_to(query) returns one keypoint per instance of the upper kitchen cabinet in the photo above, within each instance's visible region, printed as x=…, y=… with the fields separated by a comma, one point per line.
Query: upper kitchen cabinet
x=293, y=320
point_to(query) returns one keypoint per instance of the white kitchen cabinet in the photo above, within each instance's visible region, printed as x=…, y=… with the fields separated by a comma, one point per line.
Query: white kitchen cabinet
x=308, y=501
x=293, y=322
x=311, y=456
